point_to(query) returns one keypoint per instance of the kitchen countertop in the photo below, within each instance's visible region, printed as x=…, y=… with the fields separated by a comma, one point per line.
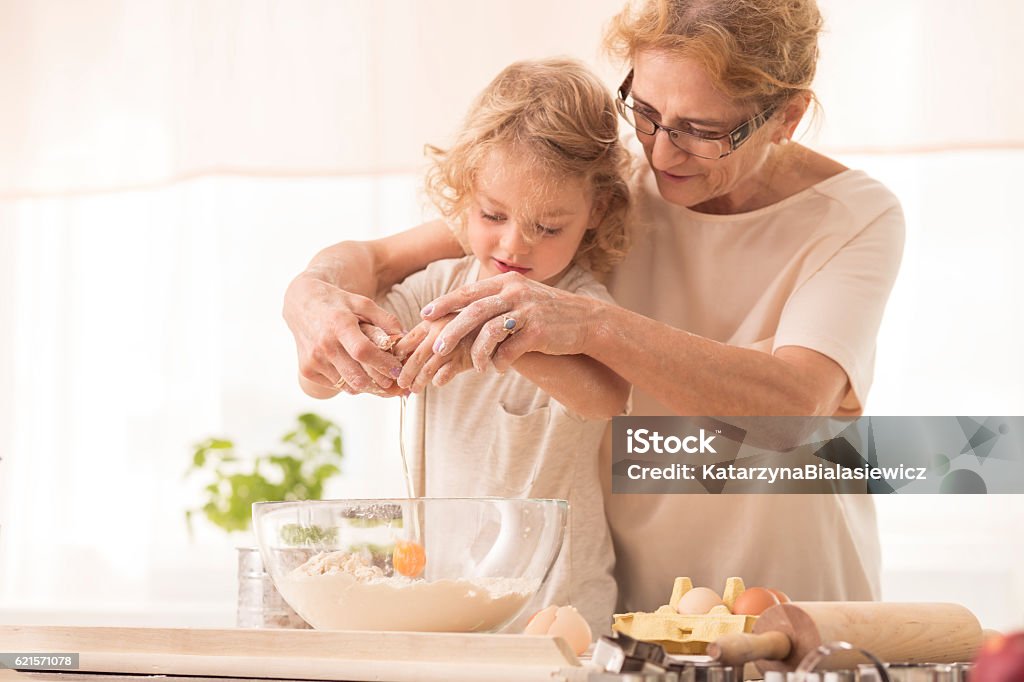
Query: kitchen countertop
x=336, y=656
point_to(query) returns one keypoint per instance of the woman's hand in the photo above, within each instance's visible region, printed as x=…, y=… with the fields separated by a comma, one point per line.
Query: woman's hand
x=547, y=320
x=421, y=365
x=334, y=353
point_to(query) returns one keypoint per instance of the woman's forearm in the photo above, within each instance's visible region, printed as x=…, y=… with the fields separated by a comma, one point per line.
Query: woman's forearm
x=325, y=305
x=369, y=268
x=686, y=373
x=579, y=382
x=350, y=266
x=693, y=375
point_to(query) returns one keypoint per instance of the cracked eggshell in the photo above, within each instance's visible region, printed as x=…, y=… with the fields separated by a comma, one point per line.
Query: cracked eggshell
x=562, y=621
x=541, y=621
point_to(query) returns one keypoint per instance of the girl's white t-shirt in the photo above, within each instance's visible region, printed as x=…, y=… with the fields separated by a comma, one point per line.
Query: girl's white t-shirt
x=485, y=434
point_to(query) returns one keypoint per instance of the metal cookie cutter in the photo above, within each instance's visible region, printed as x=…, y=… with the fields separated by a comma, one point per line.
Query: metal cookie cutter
x=623, y=654
x=913, y=672
x=962, y=672
x=709, y=671
x=803, y=672
x=624, y=659
x=824, y=676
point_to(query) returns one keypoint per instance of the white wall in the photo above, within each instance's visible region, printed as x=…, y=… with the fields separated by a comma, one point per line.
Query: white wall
x=948, y=347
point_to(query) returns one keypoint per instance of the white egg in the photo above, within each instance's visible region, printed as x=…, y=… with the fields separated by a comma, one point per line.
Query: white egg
x=698, y=601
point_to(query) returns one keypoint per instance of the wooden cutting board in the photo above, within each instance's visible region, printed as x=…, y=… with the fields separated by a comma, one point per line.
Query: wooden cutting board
x=304, y=654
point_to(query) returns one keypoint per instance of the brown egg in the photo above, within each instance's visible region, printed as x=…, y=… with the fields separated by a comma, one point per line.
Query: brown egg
x=753, y=601
x=780, y=595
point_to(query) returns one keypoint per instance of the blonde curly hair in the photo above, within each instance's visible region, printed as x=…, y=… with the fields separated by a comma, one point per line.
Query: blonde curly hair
x=558, y=116
x=756, y=51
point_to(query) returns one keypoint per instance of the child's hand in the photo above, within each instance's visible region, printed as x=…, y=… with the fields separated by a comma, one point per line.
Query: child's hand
x=421, y=364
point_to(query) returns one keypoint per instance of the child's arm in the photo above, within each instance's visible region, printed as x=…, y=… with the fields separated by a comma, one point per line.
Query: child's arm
x=584, y=385
x=581, y=383
x=324, y=303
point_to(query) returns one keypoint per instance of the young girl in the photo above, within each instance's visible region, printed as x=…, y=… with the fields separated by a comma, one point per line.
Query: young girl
x=534, y=184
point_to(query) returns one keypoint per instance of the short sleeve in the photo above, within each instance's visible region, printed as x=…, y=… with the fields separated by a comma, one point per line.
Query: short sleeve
x=837, y=311
x=596, y=290
x=404, y=300
x=407, y=299
x=580, y=281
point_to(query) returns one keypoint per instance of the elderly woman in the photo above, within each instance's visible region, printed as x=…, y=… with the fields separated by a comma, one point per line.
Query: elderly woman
x=755, y=287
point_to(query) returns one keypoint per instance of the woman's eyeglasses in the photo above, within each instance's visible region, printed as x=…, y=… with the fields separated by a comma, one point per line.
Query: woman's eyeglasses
x=703, y=145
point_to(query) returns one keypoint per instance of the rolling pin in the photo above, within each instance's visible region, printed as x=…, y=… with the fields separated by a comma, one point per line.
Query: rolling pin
x=910, y=633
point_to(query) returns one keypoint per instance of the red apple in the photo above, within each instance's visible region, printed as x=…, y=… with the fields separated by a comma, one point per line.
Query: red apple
x=1001, y=659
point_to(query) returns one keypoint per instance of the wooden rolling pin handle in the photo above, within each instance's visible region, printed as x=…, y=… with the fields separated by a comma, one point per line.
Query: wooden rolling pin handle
x=739, y=648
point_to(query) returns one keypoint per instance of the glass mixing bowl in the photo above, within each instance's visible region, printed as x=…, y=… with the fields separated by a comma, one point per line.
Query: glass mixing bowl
x=426, y=564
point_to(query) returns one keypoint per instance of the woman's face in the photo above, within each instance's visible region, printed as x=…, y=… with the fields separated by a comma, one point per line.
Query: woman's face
x=675, y=92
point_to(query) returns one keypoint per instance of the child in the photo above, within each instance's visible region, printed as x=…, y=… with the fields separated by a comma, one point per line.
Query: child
x=535, y=184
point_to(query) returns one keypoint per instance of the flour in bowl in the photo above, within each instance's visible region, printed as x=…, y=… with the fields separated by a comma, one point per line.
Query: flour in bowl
x=344, y=591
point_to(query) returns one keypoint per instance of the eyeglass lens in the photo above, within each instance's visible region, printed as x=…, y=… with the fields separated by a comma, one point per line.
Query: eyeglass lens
x=691, y=144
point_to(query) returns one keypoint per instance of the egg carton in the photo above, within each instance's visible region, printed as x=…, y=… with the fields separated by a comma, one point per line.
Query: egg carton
x=683, y=634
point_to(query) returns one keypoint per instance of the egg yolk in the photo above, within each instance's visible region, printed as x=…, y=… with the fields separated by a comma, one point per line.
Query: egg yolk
x=409, y=558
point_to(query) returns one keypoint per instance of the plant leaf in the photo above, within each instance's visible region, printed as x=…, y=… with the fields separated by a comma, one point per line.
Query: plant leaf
x=316, y=426
x=312, y=452
x=325, y=471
